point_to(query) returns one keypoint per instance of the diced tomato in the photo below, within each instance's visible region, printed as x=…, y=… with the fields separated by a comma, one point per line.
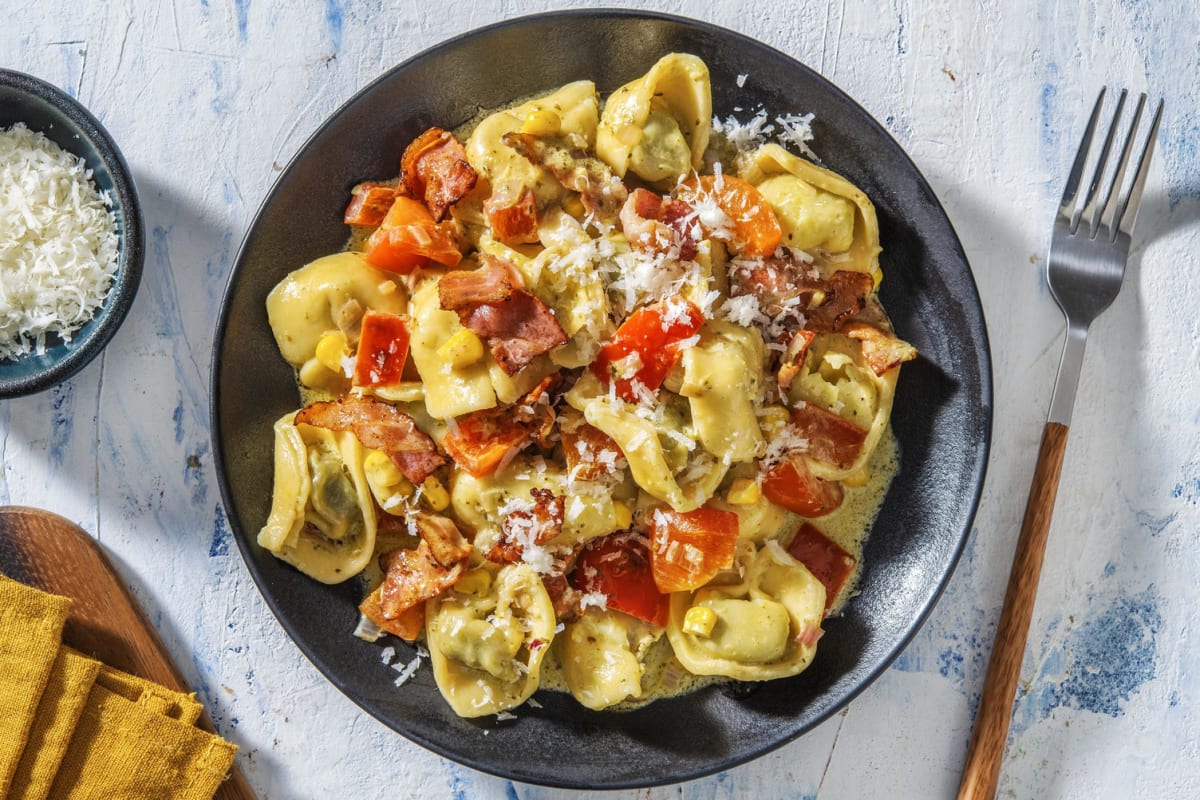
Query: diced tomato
x=756, y=230
x=480, y=440
x=369, y=204
x=792, y=485
x=825, y=559
x=830, y=438
x=382, y=349
x=650, y=337
x=409, y=625
x=687, y=549
x=618, y=566
x=409, y=238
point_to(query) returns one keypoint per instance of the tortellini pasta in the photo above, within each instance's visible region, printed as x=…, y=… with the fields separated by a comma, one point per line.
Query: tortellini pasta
x=721, y=376
x=658, y=126
x=449, y=391
x=763, y=622
x=818, y=209
x=324, y=296
x=603, y=657
x=836, y=378
x=322, y=518
x=487, y=638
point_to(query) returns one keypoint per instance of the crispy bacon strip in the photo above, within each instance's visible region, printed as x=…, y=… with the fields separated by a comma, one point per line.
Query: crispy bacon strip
x=414, y=576
x=830, y=438
x=445, y=541
x=601, y=191
x=518, y=327
x=513, y=220
x=369, y=204
x=827, y=304
x=563, y=595
x=538, y=525
x=655, y=224
x=793, y=359
x=881, y=350
x=379, y=426
x=408, y=624
x=590, y=452
x=434, y=168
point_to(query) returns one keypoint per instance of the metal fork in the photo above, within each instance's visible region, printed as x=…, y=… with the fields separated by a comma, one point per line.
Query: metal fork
x=1084, y=269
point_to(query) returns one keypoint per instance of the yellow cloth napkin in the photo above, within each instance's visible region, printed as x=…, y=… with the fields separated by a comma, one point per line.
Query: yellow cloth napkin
x=67, y=691
x=31, y=624
x=123, y=749
x=72, y=728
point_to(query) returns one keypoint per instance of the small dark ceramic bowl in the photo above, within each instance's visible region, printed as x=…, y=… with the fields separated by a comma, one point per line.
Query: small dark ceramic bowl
x=942, y=414
x=63, y=120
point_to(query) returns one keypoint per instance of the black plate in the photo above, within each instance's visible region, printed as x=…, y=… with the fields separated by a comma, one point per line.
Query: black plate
x=942, y=413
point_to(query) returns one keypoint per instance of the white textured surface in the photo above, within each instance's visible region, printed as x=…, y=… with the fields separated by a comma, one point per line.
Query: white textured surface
x=208, y=97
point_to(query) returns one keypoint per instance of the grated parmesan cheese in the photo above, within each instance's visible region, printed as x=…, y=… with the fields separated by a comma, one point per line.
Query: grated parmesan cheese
x=58, y=243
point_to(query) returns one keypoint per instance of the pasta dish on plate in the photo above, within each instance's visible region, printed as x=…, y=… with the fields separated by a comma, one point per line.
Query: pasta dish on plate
x=596, y=399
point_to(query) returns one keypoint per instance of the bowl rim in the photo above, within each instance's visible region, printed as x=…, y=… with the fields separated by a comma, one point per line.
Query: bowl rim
x=131, y=242
x=977, y=474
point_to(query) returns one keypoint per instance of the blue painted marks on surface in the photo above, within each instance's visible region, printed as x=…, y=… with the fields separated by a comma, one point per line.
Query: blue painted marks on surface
x=222, y=100
x=1099, y=665
x=510, y=791
x=242, y=10
x=460, y=783
x=333, y=17
x=62, y=414
x=1051, y=119
x=221, y=535
x=177, y=418
x=1188, y=489
x=1110, y=569
x=901, y=39
x=1173, y=700
x=1156, y=525
x=166, y=310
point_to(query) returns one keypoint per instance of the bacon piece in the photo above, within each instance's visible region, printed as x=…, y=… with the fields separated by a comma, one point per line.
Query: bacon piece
x=563, y=595
x=408, y=624
x=830, y=438
x=446, y=542
x=369, y=204
x=825, y=559
x=535, y=526
x=601, y=191
x=826, y=304
x=809, y=635
x=590, y=452
x=793, y=359
x=513, y=220
x=518, y=329
x=413, y=576
x=379, y=426
x=434, y=168
x=655, y=224
x=536, y=410
x=493, y=282
x=881, y=350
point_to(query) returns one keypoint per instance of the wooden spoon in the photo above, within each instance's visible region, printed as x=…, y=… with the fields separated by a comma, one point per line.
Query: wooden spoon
x=51, y=553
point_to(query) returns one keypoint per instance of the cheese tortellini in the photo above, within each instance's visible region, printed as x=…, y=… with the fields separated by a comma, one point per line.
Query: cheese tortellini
x=763, y=621
x=487, y=638
x=603, y=656
x=658, y=126
x=322, y=515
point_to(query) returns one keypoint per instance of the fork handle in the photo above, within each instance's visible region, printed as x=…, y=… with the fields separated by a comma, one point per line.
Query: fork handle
x=982, y=772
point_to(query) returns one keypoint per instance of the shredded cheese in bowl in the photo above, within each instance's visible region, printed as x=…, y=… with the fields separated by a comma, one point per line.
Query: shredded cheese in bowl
x=58, y=243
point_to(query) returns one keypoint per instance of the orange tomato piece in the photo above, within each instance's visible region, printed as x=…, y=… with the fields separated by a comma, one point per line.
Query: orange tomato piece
x=756, y=230
x=382, y=349
x=481, y=440
x=792, y=485
x=369, y=204
x=688, y=548
x=825, y=559
x=409, y=238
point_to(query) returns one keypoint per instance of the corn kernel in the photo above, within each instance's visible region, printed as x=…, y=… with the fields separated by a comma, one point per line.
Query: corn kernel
x=858, y=478
x=574, y=206
x=386, y=482
x=624, y=515
x=542, y=122
x=316, y=375
x=462, y=349
x=699, y=621
x=877, y=276
x=435, y=495
x=774, y=421
x=476, y=582
x=744, y=492
x=332, y=347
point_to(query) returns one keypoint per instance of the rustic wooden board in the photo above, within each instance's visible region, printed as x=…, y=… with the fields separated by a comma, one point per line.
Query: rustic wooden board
x=51, y=553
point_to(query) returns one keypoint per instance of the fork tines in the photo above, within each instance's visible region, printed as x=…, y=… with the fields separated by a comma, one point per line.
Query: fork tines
x=1112, y=212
